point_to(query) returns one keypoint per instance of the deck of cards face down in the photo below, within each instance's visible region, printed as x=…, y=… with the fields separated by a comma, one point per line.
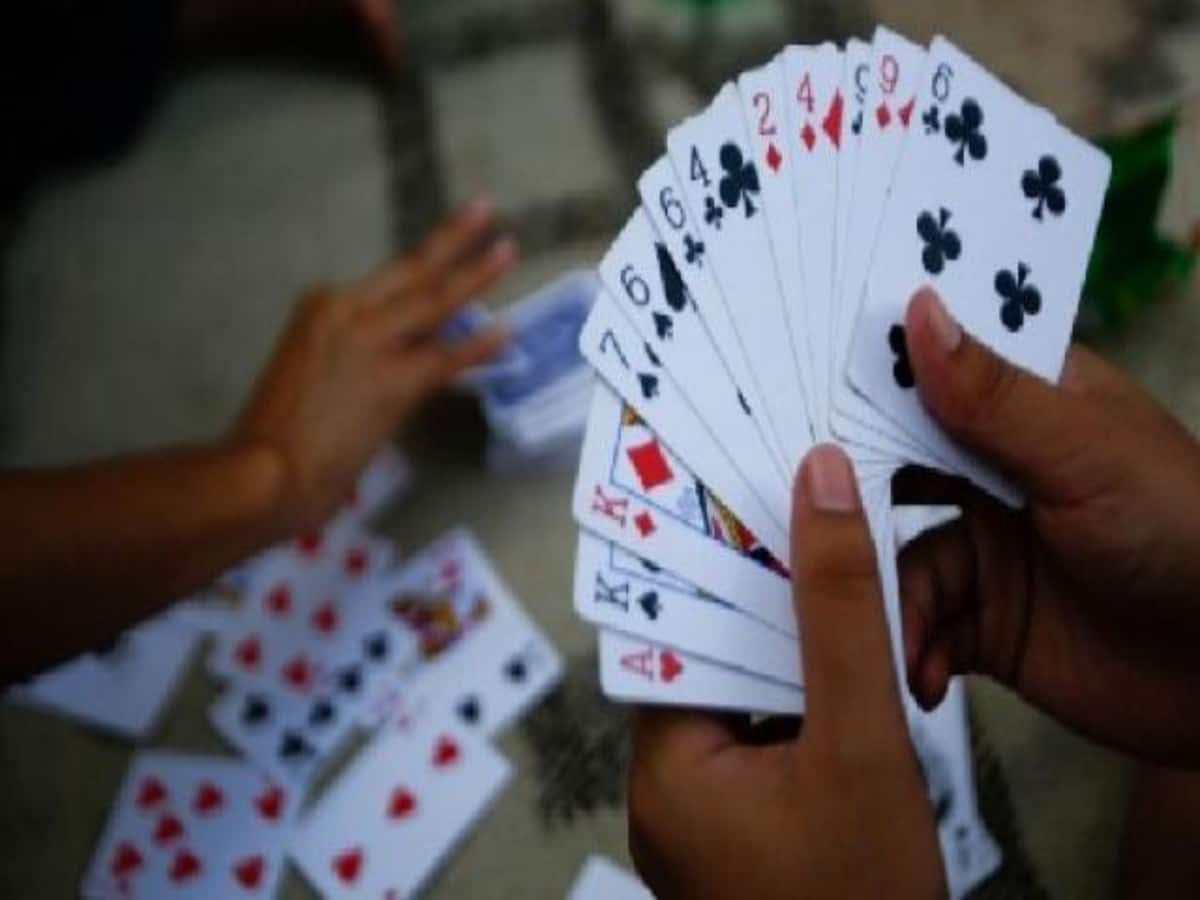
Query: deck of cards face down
x=753, y=305
x=331, y=642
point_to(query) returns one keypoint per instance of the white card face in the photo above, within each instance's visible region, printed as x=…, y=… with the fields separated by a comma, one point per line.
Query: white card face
x=195, y=827
x=482, y=658
x=856, y=72
x=892, y=82
x=122, y=690
x=815, y=110
x=995, y=206
x=777, y=154
x=943, y=744
x=634, y=670
x=631, y=490
x=602, y=879
x=719, y=175
x=664, y=202
x=616, y=590
x=387, y=824
x=634, y=370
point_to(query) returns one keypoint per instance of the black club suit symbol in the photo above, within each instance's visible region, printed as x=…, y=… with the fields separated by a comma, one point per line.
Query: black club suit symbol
x=693, y=249
x=1042, y=185
x=901, y=369
x=713, y=214
x=1020, y=299
x=962, y=128
x=932, y=119
x=941, y=244
x=740, y=180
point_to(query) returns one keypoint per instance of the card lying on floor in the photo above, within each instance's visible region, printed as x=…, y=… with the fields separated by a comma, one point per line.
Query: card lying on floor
x=190, y=826
x=602, y=879
x=389, y=822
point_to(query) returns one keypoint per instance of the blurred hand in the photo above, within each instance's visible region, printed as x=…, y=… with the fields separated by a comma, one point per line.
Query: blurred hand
x=357, y=360
x=840, y=811
x=1087, y=602
x=381, y=20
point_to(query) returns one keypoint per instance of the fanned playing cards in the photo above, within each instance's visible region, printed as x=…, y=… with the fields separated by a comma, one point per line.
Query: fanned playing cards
x=753, y=305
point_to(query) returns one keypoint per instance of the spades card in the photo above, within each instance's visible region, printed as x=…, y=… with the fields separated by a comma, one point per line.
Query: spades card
x=484, y=659
x=634, y=670
x=196, y=827
x=856, y=72
x=708, y=381
x=385, y=826
x=719, y=175
x=617, y=590
x=624, y=361
x=995, y=206
x=633, y=491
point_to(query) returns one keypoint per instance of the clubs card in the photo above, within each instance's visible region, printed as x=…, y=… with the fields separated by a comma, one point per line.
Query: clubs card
x=634, y=670
x=996, y=206
x=634, y=371
x=385, y=826
x=663, y=201
x=187, y=826
x=856, y=72
x=633, y=491
x=720, y=178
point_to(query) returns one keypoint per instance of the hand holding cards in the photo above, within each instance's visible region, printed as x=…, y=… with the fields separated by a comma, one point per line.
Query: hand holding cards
x=755, y=304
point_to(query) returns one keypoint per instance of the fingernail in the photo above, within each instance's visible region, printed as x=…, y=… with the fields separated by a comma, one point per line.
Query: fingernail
x=947, y=331
x=831, y=481
x=504, y=250
x=480, y=209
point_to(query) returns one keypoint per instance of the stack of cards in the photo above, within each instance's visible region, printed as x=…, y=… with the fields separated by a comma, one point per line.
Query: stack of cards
x=754, y=306
x=535, y=394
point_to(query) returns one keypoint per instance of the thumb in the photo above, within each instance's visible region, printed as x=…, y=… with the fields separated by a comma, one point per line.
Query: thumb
x=1013, y=419
x=850, y=677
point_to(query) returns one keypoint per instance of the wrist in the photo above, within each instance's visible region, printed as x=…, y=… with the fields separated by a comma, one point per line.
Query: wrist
x=259, y=475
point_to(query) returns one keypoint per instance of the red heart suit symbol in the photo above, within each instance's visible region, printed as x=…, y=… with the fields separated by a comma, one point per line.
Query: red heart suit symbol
x=270, y=802
x=445, y=752
x=402, y=804
x=347, y=865
x=208, y=799
x=151, y=793
x=126, y=860
x=168, y=829
x=249, y=872
x=184, y=867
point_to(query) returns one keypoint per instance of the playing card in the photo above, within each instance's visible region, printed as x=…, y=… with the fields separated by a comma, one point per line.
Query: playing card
x=483, y=658
x=602, y=879
x=662, y=201
x=196, y=827
x=631, y=490
x=942, y=741
x=720, y=179
x=996, y=206
x=634, y=670
x=763, y=96
x=856, y=70
x=387, y=824
x=814, y=110
x=122, y=688
x=616, y=590
x=543, y=328
x=471, y=321
x=634, y=370
x=291, y=733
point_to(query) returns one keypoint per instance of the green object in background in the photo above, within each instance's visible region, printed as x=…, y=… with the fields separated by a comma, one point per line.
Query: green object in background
x=1131, y=264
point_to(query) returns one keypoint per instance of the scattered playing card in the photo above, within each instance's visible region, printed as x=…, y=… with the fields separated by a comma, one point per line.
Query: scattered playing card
x=602, y=879
x=197, y=827
x=390, y=821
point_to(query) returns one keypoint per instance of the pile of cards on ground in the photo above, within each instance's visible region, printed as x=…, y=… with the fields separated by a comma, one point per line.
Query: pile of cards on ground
x=535, y=394
x=321, y=646
x=754, y=305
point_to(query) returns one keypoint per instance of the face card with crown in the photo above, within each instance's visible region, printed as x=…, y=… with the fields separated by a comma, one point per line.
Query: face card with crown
x=627, y=365
x=633, y=491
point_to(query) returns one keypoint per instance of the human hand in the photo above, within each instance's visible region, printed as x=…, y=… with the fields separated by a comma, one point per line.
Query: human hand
x=840, y=811
x=1087, y=602
x=357, y=360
